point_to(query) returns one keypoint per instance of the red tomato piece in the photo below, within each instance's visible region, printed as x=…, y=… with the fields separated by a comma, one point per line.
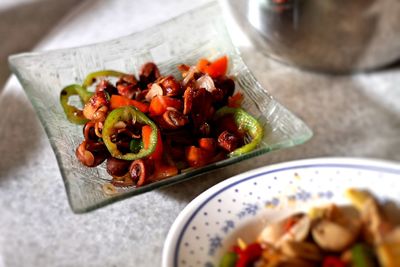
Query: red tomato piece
x=146, y=132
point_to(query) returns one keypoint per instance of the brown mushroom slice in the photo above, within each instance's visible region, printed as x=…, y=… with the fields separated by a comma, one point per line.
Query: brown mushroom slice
x=148, y=73
x=117, y=167
x=188, y=100
x=298, y=232
x=393, y=236
x=294, y=262
x=377, y=227
x=332, y=236
x=98, y=100
x=173, y=119
x=140, y=170
x=171, y=86
x=303, y=250
x=91, y=154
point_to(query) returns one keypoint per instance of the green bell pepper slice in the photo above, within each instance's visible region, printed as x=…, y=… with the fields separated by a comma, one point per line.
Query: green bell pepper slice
x=91, y=78
x=228, y=260
x=244, y=121
x=74, y=114
x=362, y=256
x=127, y=114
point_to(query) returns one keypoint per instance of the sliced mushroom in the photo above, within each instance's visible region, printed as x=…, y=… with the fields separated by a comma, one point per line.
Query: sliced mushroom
x=140, y=170
x=376, y=227
x=302, y=250
x=294, y=262
x=100, y=114
x=89, y=131
x=128, y=79
x=298, y=231
x=228, y=141
x=173, y=119
x=171, y=86
x=91, y=154
x=98, y=100
x=85, y=157
x=122, y=181
x=117, y=167
x=148, y=74
x=127, y=90
x=332, y=236
x=106, y=86
x=188, y=100
x=295, y=227
x=393, y=236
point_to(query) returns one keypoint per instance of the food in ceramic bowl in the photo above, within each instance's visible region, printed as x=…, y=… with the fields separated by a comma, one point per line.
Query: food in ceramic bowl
x=242, y=206
x=360, y=234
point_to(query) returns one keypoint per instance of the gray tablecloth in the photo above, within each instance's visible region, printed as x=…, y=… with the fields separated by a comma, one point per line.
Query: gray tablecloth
x=355, y=115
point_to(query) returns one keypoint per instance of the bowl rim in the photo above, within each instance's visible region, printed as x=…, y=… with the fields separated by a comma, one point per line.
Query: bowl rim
x=180, y=224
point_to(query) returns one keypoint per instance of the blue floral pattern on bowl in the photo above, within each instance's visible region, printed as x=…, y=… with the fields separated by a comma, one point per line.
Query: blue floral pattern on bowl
x=242, y=205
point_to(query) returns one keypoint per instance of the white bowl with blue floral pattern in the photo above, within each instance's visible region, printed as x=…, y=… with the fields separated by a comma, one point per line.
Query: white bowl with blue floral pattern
x=242, y=205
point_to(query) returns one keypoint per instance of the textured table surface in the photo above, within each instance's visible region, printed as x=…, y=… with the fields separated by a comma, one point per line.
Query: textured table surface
x=355, y=115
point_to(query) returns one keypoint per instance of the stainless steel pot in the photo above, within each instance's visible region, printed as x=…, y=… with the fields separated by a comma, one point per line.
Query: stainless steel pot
x=327, y=35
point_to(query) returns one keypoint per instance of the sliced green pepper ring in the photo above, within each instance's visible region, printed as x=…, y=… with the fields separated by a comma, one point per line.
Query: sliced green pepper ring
x=92, y=77
x=244, y=121
x=128, y=114
x=74, y=114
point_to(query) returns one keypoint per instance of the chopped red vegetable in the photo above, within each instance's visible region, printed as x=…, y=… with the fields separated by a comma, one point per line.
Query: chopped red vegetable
x=159, y=124
x=216, y=68
x=196, y=156
x=236, y=100
x=146, y=133
x=117, y=101
x=160, y=104
x=331, y=261
x=249, y=255
x=208, y=144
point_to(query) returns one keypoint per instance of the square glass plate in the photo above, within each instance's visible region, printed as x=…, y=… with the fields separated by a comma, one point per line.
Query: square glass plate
x=185, y=39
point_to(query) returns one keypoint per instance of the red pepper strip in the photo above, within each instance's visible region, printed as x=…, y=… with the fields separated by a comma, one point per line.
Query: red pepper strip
x=249, y=255
x=331, y=261
x=216, y=68
x=197, y=157
x=159, y=104
x=163, y=171
x=208, y=144
x=236, y=100
x=202, y=65
x=290, y=223
x=146, y=134
x=118, y=101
